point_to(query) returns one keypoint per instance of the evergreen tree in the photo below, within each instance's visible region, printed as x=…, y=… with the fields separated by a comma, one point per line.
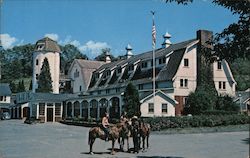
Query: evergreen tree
x=30, y=86
x=20, y=87
x=13, y=87
x=44, y=79
x=131, y=101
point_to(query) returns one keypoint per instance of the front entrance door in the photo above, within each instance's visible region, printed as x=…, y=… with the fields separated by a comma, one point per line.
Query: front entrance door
x=49, y=114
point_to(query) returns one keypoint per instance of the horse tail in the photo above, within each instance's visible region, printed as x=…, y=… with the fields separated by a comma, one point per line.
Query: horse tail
x=89, y=141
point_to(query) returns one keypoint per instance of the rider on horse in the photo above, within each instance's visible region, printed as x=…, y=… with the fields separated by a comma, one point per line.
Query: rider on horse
x=105, y=126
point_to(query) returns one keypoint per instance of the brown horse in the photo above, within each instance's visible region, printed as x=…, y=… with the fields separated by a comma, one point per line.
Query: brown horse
x=125, y=134
x=144, y=132
x=97, y=132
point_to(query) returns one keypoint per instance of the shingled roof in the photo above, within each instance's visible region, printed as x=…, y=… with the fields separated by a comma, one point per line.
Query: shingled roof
x=5, y=89
x=166, y=72
x=49, y=45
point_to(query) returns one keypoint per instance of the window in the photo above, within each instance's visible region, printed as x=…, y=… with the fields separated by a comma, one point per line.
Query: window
x=144, y=65
x=119, y=70
x=37, y=62
x=164, y=60
x=186, y=62
x=219, y=65
x=36, y=76
x=80, y=88
x=1, y=98
x=131, y=67
x=184, y=83
x=34, y=110
x=41, y=108
x=107, y=91
x=164, y=108
x=117, y=90
x=222, y=85
x=140, y=86
x=160, y=61
x=58, y=109
x=76, y=73
x=185, y=100
x=150, y=107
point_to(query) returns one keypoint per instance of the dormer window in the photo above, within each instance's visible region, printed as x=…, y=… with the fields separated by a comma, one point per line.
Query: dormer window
x=186, y=62
x=131, y=67
x=160, y=61
x=119, y=70
x=219, y=65
x=40, y=46
x=144, y=65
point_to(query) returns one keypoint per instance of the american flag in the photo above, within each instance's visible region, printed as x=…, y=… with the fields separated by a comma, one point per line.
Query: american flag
x=153, y=34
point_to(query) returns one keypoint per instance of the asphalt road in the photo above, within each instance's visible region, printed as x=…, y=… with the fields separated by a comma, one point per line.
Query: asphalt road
x=55, y=140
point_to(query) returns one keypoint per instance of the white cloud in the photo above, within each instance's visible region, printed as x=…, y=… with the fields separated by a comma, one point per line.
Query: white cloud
x=92, y=49
x=7, y=41
x=53, y=36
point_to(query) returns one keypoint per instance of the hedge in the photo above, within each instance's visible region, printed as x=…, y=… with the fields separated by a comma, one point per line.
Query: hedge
x=161, y=123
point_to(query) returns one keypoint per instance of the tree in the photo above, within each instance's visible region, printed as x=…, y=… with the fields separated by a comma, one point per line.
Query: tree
x=69, y=53
x=233, y=41
x=203, y=99
x=30, y=86
x=20, y=87
x=132, y=101
x=44, y=79
x=226, y=103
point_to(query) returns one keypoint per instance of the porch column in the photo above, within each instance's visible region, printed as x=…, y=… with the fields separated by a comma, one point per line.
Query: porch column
x=81, y=104
x=88, y=110
x=73, y=110
x=37, y=111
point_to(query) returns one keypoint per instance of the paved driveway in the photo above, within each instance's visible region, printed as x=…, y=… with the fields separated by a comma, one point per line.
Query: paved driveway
x=54, y=140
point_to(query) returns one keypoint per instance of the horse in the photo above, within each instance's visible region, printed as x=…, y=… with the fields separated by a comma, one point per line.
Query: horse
x=135, y=131
x=144, y=133
x=97, y=132
x=125, y=134
x=140, y=130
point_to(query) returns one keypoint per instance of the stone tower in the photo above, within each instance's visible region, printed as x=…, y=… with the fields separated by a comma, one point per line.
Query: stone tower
x=46, y=48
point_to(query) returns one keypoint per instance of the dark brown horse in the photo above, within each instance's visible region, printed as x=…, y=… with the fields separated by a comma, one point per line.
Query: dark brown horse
x=97, y=132
x=125, y=134
x=144, y=132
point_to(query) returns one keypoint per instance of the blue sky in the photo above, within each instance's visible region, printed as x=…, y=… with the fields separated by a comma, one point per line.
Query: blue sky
x=95, y=24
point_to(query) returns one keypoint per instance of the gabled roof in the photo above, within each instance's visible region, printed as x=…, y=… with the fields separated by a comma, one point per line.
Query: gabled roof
x=89, y=64
x=149, y=95
x=5, y=89
x=49, y=45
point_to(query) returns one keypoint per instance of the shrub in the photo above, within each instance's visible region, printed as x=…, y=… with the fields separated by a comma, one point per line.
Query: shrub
x=161, y=123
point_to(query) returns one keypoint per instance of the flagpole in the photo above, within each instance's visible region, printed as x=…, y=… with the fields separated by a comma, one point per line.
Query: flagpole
x=153, y=47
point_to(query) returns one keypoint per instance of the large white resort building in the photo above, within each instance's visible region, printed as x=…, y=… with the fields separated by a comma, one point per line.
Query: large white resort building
x=99, y=86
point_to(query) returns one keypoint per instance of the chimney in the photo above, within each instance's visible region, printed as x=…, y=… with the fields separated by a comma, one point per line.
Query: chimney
x=205, y=38
x=129, y=51
x=166, y=43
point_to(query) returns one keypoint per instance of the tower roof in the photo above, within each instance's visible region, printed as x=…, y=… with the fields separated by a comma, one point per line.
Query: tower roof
x=47, y=44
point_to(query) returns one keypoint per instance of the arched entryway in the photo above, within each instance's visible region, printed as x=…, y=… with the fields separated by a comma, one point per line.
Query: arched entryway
x=85, y=109
x=114, y=110
x=69, y=109
x=76, y=109
x=103, y=104
x=93, y=108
